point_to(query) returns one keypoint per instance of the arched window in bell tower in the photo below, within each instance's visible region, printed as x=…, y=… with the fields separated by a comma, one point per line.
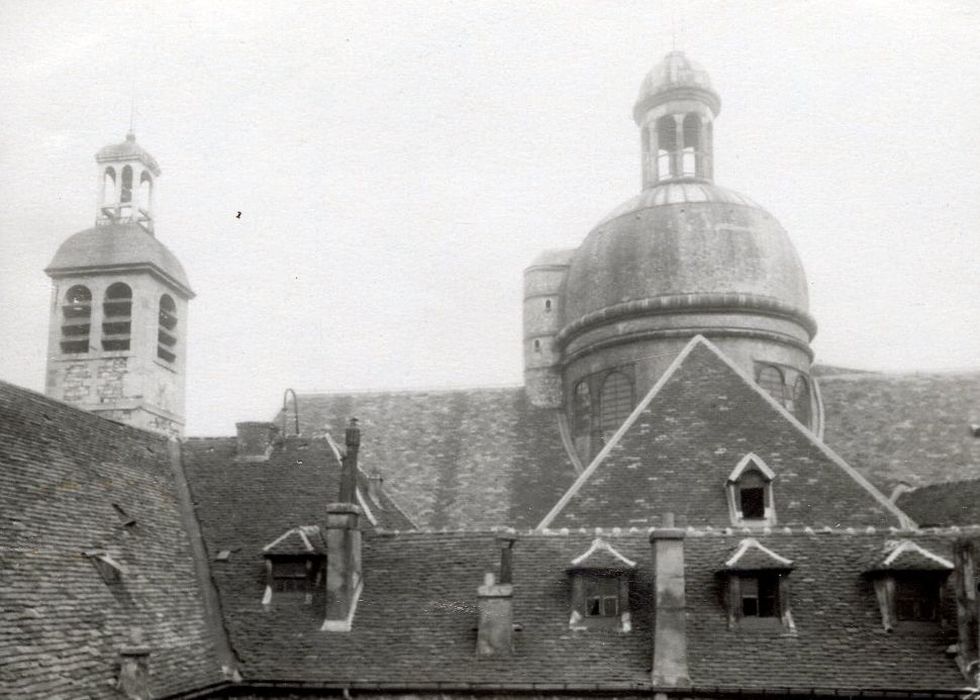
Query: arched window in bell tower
x=117, y=310
x=126, y=191
x=109, y=187
x=146, y=191
x=692, y=145
x=615, y=402
x=76, y=320
x=167, y=332
x=666, y=144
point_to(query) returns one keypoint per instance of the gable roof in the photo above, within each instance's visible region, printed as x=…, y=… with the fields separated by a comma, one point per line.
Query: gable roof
x=912, y=427
x=417, y=629
x=602, y=555
x=679, y=445
x=907, y=555
x=62, y=473
x=474, y=458
x=305, y=539
x=753, y=556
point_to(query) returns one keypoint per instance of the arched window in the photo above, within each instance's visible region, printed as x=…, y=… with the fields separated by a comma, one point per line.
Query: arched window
x=537, y=345
x=547, y=306
x=146, y=191
x=126, y=192
x=117, y=310
x=76, y=319
x=582, y=408
x=801, y=400
x=615, y=402
x=666, y=145
x=109, y=187
x=770, y=378
x=692, y=144
x=167, y=332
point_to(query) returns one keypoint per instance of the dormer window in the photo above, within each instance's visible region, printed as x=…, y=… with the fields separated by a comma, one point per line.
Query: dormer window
x=294, y=564
x=750, y=498
x=600, y=589
x=908, y=583
x=757, y=587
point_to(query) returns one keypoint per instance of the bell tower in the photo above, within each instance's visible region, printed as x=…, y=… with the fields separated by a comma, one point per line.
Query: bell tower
x=118, y=316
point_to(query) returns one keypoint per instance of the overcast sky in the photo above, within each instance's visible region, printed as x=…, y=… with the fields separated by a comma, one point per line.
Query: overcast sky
x=398, y=164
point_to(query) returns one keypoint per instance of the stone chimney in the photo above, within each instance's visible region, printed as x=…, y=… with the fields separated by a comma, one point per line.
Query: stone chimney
x=343, y=535
x=495, y=603
x=255, y=440
x=670, y=626
x=967, y=610
x=134, y=668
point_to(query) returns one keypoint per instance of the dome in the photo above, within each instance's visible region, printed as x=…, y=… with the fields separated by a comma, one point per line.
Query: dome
x=128, y=150
x=118, y=246
x=690, y=245
x=676, y=72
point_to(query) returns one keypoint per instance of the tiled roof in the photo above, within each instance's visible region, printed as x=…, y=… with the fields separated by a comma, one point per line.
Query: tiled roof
x=950, y=503
x=468, y=458
x=751, y=555
x=61, y=626
x=416, y=619
x=677, y=450
x=907, y=555
x=905, y=427
x=245, y=506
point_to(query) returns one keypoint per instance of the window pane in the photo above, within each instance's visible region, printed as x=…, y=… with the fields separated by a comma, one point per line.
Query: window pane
x=593, y=607
x=916, y=599
x=753, y=503
x=615, y=401
x=610, y=606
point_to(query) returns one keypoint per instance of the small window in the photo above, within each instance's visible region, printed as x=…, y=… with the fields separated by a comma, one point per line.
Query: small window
x=615, y=402
x=750, y=492
x=760, y=595
x=916, y=599
x=801, y=400
x=537, y=345
x=770, y=378
x=167, y=331
x=76, y=321
x=582, y=408
x=602, y=596
x=117, y=313
x=290, y=577
x=547, y=306
x=753, y=500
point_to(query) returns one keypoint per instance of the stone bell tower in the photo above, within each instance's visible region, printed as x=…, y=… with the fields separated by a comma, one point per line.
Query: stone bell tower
x=118, y=318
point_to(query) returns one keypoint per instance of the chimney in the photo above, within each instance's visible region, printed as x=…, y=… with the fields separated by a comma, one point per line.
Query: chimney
x=343, y=536
x=348, y=468
x=255, y=440
x=375, y=484
x=670, y=628
x=495, y=603
x=967, y=610
x=134, y=668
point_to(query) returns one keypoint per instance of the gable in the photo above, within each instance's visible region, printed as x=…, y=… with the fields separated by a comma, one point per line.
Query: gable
x=678, y=449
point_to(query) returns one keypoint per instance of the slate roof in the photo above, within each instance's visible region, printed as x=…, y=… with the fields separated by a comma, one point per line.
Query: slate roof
x=416, y=619
x=468, y=458
x=904, y=427
x=244, y=506
x=678, y=448
x=61, y=626
x=950, y=503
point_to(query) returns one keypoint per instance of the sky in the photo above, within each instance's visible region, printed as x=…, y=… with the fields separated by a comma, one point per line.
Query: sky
x=398, y=164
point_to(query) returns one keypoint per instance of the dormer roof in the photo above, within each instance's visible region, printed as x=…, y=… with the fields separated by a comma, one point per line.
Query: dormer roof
x=906, y=555
x=297, y=541
x=602, y=556
x=750, y=555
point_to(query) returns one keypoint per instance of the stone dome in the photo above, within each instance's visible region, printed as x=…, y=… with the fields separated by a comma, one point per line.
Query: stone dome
x=685, y=246
x=118, y=246
x=675, y=72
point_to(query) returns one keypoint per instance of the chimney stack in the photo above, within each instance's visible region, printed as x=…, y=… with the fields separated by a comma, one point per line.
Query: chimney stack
x=134, y=668
x=255, y=440
x=348, y=470
x=375, y=485
x=495, y=603
x=343, y=535
x=670, y=627
x=967, y=610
